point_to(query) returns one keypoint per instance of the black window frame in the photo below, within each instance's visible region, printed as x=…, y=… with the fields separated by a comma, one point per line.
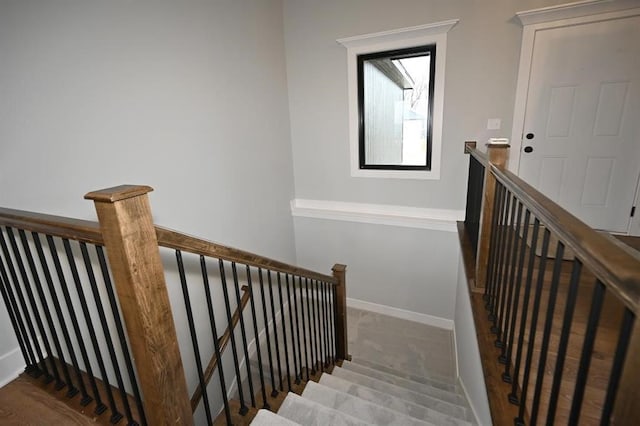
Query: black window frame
x=396, y=54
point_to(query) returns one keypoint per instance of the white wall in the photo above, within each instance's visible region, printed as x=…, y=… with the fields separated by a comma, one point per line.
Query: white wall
x=468, y=354
x=481, y=72
x=188, y=97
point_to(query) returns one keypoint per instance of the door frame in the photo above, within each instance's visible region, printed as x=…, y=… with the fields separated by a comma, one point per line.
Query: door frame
x=559, y=16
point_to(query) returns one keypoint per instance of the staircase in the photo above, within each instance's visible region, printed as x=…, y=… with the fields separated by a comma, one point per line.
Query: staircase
x=379, y=385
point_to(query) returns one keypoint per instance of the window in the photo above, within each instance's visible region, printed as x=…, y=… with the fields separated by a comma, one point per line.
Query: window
x=395, y=105
x=404, y=139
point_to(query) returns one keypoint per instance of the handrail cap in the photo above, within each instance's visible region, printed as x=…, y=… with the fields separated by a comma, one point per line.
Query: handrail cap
x=117, y=193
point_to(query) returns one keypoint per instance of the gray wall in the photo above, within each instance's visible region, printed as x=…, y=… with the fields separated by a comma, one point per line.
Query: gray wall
x=481, y=71
x=188, y=97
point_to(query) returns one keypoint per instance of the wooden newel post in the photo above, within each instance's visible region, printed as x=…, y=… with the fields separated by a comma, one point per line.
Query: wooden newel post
x=342, y=348
x=498, y=155
x=132, y=247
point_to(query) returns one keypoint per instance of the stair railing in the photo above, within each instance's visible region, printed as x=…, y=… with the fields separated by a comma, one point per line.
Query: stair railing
x=555, y=305
x=295, y=324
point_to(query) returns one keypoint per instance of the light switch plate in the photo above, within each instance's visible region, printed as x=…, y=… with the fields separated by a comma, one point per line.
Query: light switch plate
x=494, y=124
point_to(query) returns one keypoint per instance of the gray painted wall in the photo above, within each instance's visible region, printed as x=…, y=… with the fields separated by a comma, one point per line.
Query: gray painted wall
x=188, y=97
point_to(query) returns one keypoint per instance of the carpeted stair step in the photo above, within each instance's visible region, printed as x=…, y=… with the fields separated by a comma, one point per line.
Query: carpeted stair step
x=422, y=388
x=359, y=408
x=440, y=382
x=309, y=413
x=267, y=418
x=445, y=407
x=391, y=402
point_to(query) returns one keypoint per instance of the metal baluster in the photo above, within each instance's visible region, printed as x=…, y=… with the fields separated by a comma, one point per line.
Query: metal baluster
x=332, y=318
x=87, y=317
x=243, y=333
x=546, y=336
x=29, y=335
x=275, y=330
x=194, y=337
x=304, y=330
x=284, y=331
x=502, y=274
x=519, y=421
x=257, y=339
x=243, y=407
x=124, y=348
x=86, y=399
x=274, y=392
x=32, y=303
x=516, y=285
x=71, y=391
x=293, y=339
x=214, y=334
x=43, y=303
x=498, y=262
x=624, y=337
x=326, y=323
x=297, y=319
x=100, y=406
x=309, y=321
x=587, y=350
x=513, y=396
x=496, y=230
x=318, y=316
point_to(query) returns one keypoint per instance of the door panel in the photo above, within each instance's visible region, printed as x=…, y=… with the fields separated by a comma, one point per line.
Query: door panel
x=583, y=110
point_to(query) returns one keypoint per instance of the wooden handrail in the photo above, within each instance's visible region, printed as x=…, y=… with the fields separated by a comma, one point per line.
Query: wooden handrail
x=614, y=266
x=178, y=241
x=58, y=226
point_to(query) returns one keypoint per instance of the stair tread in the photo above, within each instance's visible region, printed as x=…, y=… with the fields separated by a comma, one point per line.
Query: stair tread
x=426, y=389
x=392, y=402
x=357, y=407
x=401, y=392
x=435, y=380
x=310, y=413
x=268, y=418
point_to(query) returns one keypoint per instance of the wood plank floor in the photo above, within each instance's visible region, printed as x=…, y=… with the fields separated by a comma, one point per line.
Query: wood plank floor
x=23, y=403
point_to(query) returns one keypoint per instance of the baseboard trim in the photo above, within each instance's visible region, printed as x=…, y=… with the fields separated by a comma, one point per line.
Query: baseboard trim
x=401, y=313
x=378, y=214
x=11, y=365
x=469, y=401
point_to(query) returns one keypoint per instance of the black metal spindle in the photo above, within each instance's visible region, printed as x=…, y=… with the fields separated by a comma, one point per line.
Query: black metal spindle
x=43, y=304
x=503, y=321
x=319, y=326
x=493, y=243
x=72, y=390
x=257, y=340
x=274, y=392
x=29, y=335
x=100, y=406
x=628, y=319
x=587, y=351
x=86, y=399
x=503, y=272
x=88, y=322
x=564, y=339
x=124, y=347
x=10, y=304
x=513, y=396
x=284, y=331
x=275, y=330
x=498, y=261
x=293, y=337
x=474, y=200
x=243, y=407
x=214, y=334
x=332, y=317
x=32, y=303
x=194, y=337
x=326, y=323
x=546, y=335
x=297, y=320
x=243, y=334
x=519, y=421
x=304, y=330
x=311, y=330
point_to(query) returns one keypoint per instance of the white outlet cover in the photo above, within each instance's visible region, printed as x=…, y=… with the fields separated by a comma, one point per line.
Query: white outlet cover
x=494, y=124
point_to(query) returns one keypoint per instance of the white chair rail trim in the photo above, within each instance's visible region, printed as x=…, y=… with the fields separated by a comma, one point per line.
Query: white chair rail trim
x=379, y=214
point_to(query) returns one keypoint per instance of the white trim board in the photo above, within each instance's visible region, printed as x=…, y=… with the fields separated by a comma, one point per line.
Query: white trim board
x=379, y=214
x=11, y=366
x=469, y=401
x=426, y=319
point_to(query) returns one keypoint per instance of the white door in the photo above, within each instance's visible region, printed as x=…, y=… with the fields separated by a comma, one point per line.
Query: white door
x=581, y=134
